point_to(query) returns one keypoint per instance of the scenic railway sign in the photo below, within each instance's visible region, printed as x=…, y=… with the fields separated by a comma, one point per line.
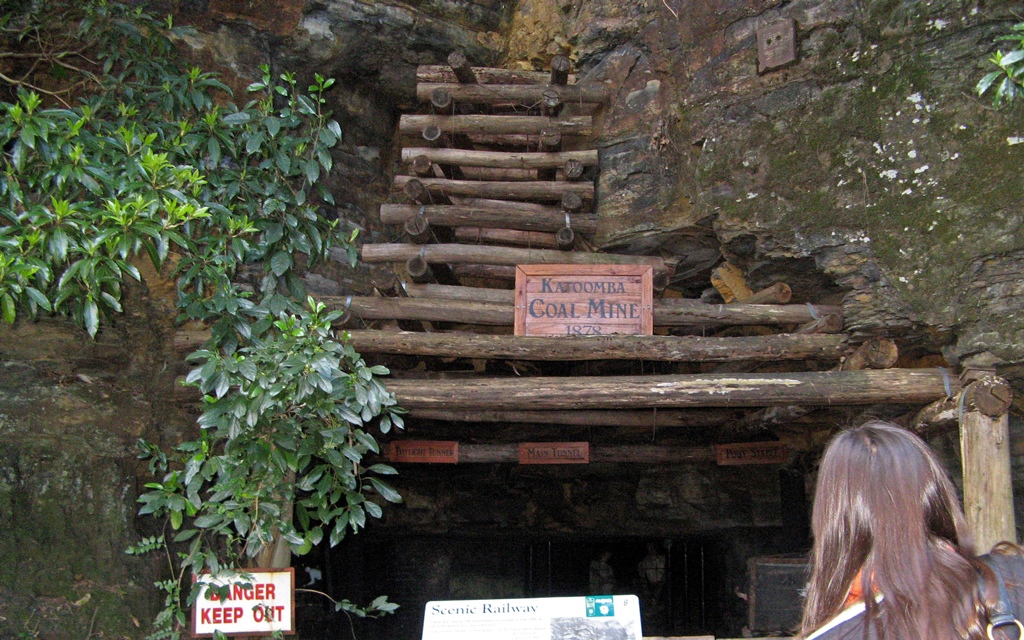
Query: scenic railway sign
x=583, y=300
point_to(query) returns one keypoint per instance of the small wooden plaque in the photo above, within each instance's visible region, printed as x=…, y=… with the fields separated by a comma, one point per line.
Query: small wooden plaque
x=751, y=453
x=776, y=44
x=572, y=299
x=424, y=451
x=554, y=453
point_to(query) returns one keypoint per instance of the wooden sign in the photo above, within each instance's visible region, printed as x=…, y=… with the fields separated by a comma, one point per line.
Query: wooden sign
x=776, y=44
x=554, y=453
x=583, y=300
x=751, y=453
x=428, y=451
x=256, y=602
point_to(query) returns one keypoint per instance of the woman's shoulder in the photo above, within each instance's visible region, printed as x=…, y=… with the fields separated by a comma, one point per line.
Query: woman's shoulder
x=847, y=625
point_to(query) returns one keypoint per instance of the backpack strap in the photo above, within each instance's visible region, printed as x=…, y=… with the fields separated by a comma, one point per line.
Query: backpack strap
x=1001, y=613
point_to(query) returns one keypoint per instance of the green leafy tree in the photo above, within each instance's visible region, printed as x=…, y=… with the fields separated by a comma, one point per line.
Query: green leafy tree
x=113, y=154
x=1007, y=82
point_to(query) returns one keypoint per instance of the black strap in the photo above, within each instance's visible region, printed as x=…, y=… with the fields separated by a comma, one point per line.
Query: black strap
x=1001, y=613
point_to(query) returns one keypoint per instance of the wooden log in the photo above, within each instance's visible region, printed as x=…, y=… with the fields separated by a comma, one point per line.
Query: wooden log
x=374, y=308
x=667, y=312
x=422, y=166
x=985, y=449
x=939, y=416
x=440, y=188
x=564, y=238
x=548, y=219
x=873, y=386
x=499, y=159
x=682, y=311
x=522, y=94
x=417, y=228
x=874, y=353
x=469, y=294
x=650, y=419
x=498, y=175
x=494, y=272
x=611, y=347
x=560, y=67
x=419, y=270
x=829, y=323
x=511, y=237
x=551, y=101
x=572, y=202
x=778, y=293
x=476, y=254
x=572, y=170
x=485, y=75
x=416, y=190
x=440, y=97
x=414, y=124
x=460, y=67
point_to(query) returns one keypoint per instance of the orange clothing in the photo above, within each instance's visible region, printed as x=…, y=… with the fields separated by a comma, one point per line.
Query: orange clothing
x=856, y=591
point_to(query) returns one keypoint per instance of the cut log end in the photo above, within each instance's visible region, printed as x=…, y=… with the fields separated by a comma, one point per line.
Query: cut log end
x=560, y=67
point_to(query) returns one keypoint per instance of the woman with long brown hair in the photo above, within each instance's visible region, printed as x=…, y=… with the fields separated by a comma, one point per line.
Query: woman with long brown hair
x=892, y=558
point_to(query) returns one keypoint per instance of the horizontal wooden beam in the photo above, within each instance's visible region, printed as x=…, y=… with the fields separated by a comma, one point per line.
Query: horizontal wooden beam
x=549, y=219
x=485, y=75
x=451, y=292
x=649, y=419
x=872, y=386
x=482, y=254
x=636, y=454
x=549, y=190
x=525, y=94
x=414, y=124
x=509, y=237
x=611, y=347
x=667, y=312
x=499, y=159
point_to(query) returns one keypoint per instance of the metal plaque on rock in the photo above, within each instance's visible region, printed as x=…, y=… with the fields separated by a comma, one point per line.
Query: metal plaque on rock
x=776, y=44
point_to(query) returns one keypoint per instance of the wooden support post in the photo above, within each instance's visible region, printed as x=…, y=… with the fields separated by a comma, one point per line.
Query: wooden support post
x=460, y=66
x=565, y=237
x=428, y=73
x=985, y=452
x=550, y=142
x=871, y=386
x=560, y=67
x=422, y=166
x=511, y=94
x=572, y=202
x=550, y=102
x=572, y=170
x=441, y=98
x=418, y=230
x=419, y=270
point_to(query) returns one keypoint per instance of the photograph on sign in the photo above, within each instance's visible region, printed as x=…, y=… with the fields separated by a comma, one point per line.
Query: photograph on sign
x=584, y=300
x=258, y=602
x=595, y=617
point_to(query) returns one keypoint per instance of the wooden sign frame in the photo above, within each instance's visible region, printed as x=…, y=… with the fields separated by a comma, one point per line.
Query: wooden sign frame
x=744, y=453
x=424, y=451
x=578, y=299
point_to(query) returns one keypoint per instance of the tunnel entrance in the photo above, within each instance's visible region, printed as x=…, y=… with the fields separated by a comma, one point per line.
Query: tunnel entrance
x=688, y=585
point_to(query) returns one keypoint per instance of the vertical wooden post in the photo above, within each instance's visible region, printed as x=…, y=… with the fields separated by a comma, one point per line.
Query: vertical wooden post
x=985, y=453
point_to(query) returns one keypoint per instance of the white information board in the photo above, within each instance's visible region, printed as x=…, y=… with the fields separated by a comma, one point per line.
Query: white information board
x=592, y=617
x=257, y=602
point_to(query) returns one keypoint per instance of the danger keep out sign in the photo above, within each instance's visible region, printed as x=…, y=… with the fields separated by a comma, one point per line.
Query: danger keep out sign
x=257, y=602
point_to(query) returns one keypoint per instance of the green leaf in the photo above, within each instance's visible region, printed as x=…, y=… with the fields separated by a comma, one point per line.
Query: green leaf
x=91, y=315
x=385, y=490
x=240, y=117
x=281, y=263
x=7, y=305
x=312, y=169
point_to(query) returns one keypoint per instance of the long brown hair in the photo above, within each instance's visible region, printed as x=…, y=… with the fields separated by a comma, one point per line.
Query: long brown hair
x=885, y=506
